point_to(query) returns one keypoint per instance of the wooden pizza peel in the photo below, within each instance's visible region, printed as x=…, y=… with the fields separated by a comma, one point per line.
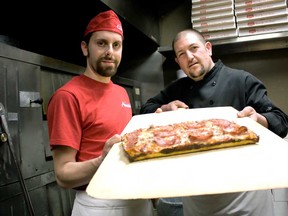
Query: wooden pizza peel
x=253, y=167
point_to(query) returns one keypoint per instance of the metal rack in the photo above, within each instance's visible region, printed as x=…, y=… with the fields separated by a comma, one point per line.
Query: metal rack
x=243, y=44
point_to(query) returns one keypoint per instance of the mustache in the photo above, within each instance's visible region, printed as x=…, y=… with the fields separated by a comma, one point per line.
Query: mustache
x=191, y=62
x=107, y=58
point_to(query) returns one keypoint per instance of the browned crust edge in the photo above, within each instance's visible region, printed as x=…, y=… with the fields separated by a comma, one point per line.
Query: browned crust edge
x=199, y=147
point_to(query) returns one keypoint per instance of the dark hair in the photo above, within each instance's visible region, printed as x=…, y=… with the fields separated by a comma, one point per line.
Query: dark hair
x=87, y=37
x=186, y=31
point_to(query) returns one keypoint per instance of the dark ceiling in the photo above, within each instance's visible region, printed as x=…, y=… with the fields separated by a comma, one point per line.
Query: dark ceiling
x=55, y=30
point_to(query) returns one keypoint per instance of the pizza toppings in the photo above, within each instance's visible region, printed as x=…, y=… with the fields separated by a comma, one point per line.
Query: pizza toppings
x=185, y=137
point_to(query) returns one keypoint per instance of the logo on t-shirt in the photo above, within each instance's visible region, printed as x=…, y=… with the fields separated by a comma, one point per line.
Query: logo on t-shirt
x=127, y=105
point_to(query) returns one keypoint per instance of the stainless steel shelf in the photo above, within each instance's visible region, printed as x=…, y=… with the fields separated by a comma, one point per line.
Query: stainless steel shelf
x=253, y=38
x=243, y=44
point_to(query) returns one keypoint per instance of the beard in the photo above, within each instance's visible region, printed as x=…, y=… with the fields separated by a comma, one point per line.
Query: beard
x=106, y=71
x=199, y=75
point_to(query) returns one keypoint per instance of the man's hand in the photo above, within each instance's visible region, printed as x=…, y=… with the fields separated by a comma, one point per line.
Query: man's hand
x=109, y=143
x=248, y=112
x=174, y=105
x=251, y=113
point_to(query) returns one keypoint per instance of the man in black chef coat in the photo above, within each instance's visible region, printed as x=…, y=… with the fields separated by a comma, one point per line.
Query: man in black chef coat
x=212, y=84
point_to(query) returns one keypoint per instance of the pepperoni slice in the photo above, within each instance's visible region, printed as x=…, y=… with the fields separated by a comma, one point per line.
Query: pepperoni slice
x=192, y=125
x=165, y=136
x=241, y=130
x=166, y=141
x=229, y=127
x=132, y=138
x=200, y=135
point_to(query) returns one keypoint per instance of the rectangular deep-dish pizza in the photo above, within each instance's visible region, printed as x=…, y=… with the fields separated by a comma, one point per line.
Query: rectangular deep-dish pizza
x=185, y=137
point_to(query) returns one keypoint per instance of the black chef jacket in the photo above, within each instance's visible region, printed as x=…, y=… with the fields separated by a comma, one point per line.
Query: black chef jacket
x=223, y=86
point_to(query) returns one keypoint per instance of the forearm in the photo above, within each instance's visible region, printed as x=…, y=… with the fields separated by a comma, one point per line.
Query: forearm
x=149, y=107
x=153, y=104
x=277, y=123
x=262, y=120
x=75, y=174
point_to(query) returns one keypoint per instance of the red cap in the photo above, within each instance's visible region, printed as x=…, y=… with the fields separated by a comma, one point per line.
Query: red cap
x=105, y=21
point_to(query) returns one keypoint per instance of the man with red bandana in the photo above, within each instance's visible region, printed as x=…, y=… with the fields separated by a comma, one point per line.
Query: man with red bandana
x=86, y=116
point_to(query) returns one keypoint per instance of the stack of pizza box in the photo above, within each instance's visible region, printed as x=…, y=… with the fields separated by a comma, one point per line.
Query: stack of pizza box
x=256, y=17
x=214, y=19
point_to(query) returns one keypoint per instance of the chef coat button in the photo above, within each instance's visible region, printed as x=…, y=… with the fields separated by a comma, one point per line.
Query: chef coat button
x=211, y=102
x=213, y=83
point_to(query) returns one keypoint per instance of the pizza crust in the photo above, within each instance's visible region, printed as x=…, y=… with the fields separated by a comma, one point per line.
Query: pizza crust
x=185, y=137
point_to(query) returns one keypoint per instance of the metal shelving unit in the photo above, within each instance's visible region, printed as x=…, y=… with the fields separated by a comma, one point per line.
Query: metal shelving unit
x=243, y=44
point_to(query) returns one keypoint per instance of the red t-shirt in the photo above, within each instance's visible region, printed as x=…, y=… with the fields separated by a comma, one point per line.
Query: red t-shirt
x=84, y=113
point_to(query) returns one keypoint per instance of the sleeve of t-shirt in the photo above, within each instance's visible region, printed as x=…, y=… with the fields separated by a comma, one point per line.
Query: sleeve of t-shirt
x=64, y=120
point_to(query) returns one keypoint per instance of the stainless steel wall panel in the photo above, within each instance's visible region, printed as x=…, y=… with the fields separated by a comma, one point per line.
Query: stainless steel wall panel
x=28, y=129
x=13, y=207
x=10, y=100
x=51, y=80
x=3, y=81
x=31, y=142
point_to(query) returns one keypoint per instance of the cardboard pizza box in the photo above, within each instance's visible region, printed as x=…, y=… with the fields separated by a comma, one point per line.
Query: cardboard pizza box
x=252, y=167
x=252, y=3
x=259, y=8
x=222, y=34
x=263, y=22
x=214, y=22
x=204, y=5
x=221, y=14
x=208, y=10
x=224, y=27
x=266, y=29
x=262, y=15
